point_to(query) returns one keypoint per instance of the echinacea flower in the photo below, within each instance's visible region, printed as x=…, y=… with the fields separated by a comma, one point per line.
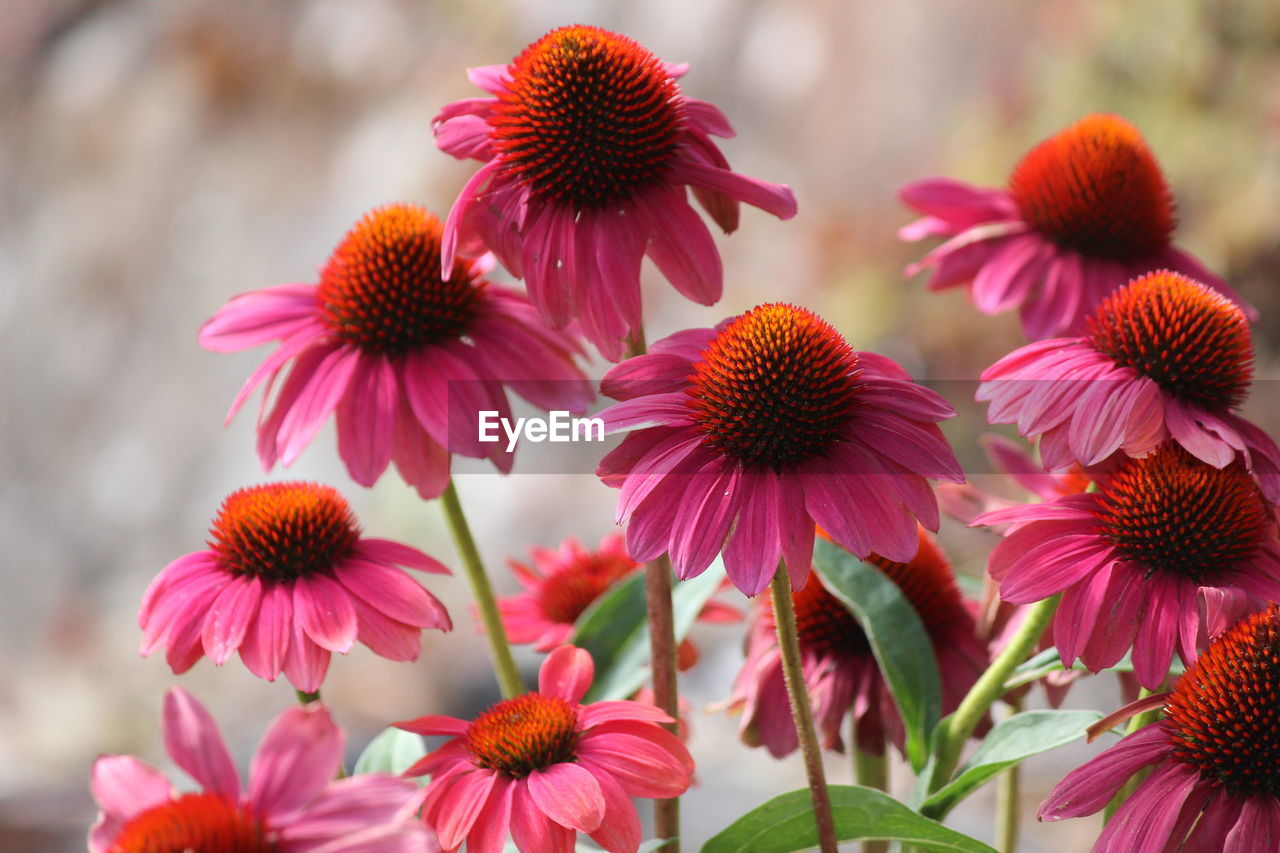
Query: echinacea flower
x=1163, y=357
x=1214, y=784
x=1136, y=561
x=841, y=675
x=747, y=434
x=291, y=805
x=287, y=579
x=1085, y=211
x=561, y=584
x=543, y=767
x=588, y=147
x=406, y=359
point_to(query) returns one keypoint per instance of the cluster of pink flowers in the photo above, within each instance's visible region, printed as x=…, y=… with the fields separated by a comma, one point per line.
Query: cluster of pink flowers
x=1153, y=526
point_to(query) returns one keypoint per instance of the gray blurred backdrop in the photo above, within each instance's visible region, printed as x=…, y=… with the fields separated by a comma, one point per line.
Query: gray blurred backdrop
x=159, y=157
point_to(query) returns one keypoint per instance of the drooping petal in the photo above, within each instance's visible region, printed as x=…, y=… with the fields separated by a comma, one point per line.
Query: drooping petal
x=569, y=795
x=297, y=758
x=193, y=741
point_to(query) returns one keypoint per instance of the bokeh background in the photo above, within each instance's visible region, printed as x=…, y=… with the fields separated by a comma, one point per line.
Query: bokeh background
x=159, y=157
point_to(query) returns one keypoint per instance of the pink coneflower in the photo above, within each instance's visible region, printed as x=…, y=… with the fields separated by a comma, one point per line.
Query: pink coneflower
x=543, y=767
x=292, y=804
x=286, y=580
x=588, y=146
x=1163, y=357
x=761, y=427
x=406, y=359
x=1135, y=561
x=841, y=674
x=1086, y=210
x=1215, y=758
x=561, y=584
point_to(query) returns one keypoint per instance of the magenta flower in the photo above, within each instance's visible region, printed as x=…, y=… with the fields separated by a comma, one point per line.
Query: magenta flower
x=756, y=430
x=406, y=360
x=1215, y=758
x=588, y=146
x=1135, y=561
x=543, y=767
x=292, y=804
x=1086, y=210
x=1163, y=357
x=561, y=584
x=287, y=579
x=840, y=672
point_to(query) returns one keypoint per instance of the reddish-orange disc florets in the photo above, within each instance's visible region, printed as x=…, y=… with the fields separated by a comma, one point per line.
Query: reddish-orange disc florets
x=1193, y=341
x=570, y=590
x=381, y=289
x=1224, y=714
x=778, y=385
x=1096, y=188
x=1171, y=513
x=282, y=531
x=203, y=823
x=826, y=627
x=589, y=117
x=520, y=735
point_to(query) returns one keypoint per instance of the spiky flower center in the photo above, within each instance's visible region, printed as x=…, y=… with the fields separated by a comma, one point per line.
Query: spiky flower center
x=589, y=117
x=193, y=823
x=283, y=531
x=520, y=735
x=826, y=627
x=571, y=589
x=1224, y=714
x=1173, y=514
x=1096, y=188
x=777, y=386
x=1194, y=342
x=381, y=289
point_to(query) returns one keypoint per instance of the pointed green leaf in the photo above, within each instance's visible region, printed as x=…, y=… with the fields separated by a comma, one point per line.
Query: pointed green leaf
x=785, y=824
x=898, y=640
x=1013, y=740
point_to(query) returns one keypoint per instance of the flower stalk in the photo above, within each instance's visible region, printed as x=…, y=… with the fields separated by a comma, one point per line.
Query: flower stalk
x=504, y=664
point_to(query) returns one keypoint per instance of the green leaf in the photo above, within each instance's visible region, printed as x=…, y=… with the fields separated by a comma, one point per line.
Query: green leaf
x=615, y=630
x=897, y=637
x=392, y=751
x=1013, y=740
x=785, y=824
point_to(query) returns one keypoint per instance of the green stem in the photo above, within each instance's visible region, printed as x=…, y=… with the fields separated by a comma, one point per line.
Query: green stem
x=1136, y=722
x=870, y=771
x=305, y=698
x=793, y=674
x=955, y=732
x=1008, y=804
x=499, y=649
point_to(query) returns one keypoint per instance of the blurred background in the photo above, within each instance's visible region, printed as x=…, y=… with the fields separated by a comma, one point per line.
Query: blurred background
x=158, y=158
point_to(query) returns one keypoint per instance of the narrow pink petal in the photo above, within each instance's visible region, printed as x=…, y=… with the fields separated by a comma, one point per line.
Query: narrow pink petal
x=316, y=400
x=323, y=609
x=619, y=832
x=682, y=248
x=298, y=757
x=366, y=419
x=708, y=118
x=434, y=724
x=549, y=258
x=604, y=712
x=755, y=546
x=251, y=319
x=489, y=834
x=654, y=765
x=461, y=213
x=1052, y=567
x=777, y=199
x=464, y=136
x=193, y=741
x=654, y=373
x=956, y=201
x=306, y=663
x=393, y=593
x=569, y=795
x=385, y=636
x=266, y=643
x=271, y=437
x=566, y=673
x=702, y=518
x=532, y=830
x=459, y=809
x=355, y=806
x=608, y=309
x=1145, y=822
x=229, y=618
x=393, y=553
x=1158, y=630
x=1185, y=425
x=125, y=786
x=491, y=78
x=183, y=603
x=295, y=345
x=723, y=209
x=1004, y=280
x=1091, y=786
x=422, y=462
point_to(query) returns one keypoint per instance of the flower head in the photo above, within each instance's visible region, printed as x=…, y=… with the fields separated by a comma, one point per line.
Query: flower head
x=1136, y=560
x=1215, y=783
x=588, y=145
x=289, y=804
x=405, y=358
x=756, y=430
x=1086, y=210
x=542, y=766
x=1162, y=357
x=561, y=584
x=286, y=580
x=840, y=672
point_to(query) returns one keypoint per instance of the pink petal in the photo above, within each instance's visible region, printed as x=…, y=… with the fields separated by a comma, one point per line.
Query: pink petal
x=1091, y=786
x=393, y=593
x=254, y=318
x=708, y=118
x=569, y=795
x=489, y=834
x=422, y=462
x=296, y=760
x=491, y=78
x=532, y=830
x=702, y=519
x=125, y=786
x=270, y=434
x=366, y=418
x=434, y=724
x=356, y=806
x=604, y=712
x=230, y=616
x=193, y=741
x=266, y=643
x=777, y=199
x=755, y=546
x=316, y=400
x=306, y=663
x=655, y=764
x=394, y=553
x=566, y=673
x=323, y=609
x=463, y=804
x=682, y=248
x=550, y=260
x=385, y=636
x=619, y=832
